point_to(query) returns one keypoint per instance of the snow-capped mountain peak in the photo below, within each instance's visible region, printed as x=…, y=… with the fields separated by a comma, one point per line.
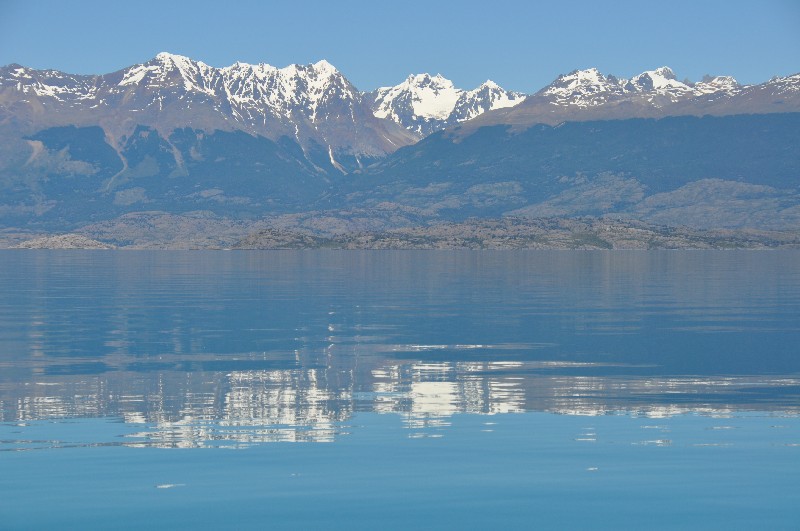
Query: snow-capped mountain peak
x=435, y=83
x=578, y=78
x=324, y=66
x=781, y=85
x=582, y=88
x=167, y=57
x=424, y=103
x=16, y=70
x=659, y=80
x=420, y=96
x=663, y=72
x=171, y=70
x=433, y=96
x=186, y=66
x=711, y=85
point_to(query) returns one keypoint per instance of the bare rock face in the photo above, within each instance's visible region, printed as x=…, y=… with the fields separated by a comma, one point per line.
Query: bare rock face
x=63, y=241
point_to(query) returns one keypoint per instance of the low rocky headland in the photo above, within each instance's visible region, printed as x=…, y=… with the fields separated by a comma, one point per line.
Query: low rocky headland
x=203, y=231
x=62, y=241
x=547, y=233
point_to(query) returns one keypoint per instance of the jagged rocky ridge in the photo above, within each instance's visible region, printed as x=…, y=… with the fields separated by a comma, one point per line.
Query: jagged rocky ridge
x=587, y=88
x=313, y=105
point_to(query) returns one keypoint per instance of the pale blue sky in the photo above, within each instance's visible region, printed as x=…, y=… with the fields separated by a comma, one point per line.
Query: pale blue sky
x=522, y=45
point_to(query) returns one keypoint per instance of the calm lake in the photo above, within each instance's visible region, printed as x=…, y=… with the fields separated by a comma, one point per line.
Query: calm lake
x=399, y=389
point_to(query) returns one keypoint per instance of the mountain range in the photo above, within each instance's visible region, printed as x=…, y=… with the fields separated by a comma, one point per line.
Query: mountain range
x=314, y=105
x=248, y=141
x=584, y=95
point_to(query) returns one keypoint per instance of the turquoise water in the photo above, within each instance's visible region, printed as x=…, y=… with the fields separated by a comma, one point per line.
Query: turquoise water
x=326, y=390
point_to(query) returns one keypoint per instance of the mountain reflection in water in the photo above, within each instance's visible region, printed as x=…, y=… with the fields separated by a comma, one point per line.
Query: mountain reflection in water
x=239, y=408
x=234, y=349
